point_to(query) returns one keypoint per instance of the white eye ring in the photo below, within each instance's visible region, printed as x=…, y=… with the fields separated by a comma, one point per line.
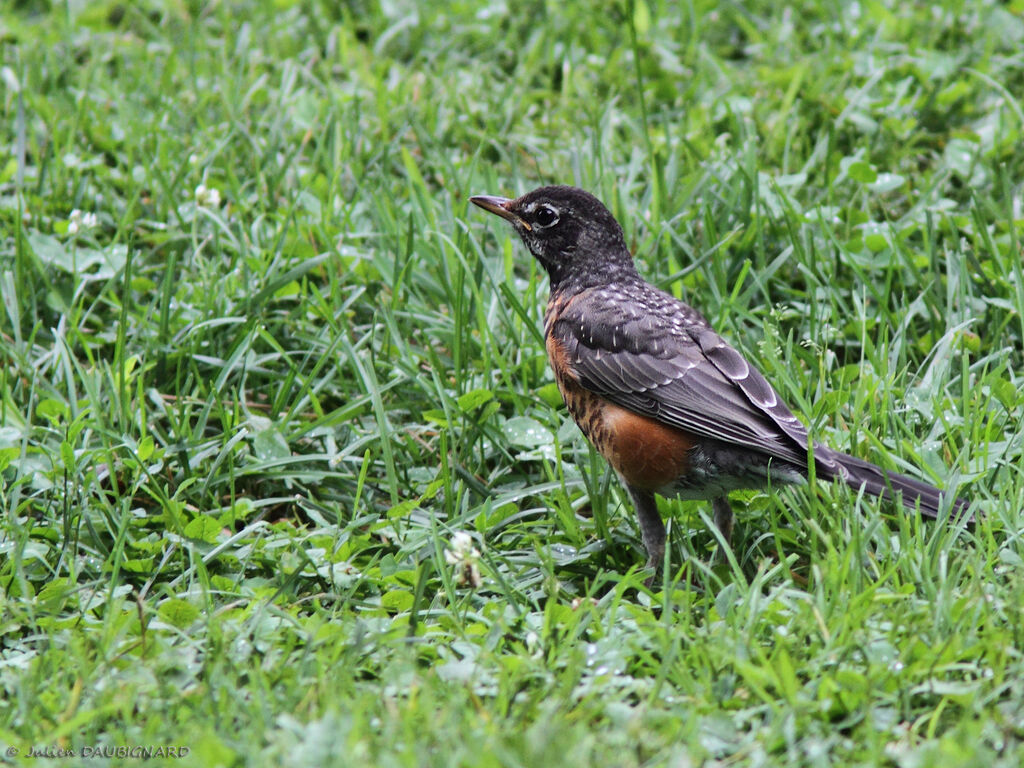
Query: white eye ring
x=545, y=216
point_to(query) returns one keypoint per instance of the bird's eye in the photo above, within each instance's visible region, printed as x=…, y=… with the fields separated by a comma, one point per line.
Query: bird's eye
x=545, y=216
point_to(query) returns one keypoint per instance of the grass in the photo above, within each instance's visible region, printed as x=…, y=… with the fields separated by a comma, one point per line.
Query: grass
x=240, y=425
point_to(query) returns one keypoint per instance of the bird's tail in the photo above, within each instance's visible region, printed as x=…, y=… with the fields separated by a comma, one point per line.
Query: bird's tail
x=887, y=485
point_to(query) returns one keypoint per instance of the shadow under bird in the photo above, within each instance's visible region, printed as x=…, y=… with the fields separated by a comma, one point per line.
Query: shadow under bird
x=668, y=402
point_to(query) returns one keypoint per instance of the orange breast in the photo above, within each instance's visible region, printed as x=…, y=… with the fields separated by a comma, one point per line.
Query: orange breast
x=647, y=453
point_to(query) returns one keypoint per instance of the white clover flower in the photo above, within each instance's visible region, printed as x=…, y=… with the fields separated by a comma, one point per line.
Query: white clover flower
x=79, y=221
x=208, y=196
x=464, y=556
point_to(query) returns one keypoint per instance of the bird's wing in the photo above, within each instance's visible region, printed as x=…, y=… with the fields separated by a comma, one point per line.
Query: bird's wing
x=649, y=353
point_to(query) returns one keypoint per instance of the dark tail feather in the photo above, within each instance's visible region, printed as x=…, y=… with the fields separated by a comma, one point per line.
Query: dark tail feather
x=881, y=482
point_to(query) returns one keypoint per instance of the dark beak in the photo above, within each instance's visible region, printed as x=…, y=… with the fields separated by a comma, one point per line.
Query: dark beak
x=500, y=206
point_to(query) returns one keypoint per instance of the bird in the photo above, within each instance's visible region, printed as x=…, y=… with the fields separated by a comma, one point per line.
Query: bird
x=674, y=409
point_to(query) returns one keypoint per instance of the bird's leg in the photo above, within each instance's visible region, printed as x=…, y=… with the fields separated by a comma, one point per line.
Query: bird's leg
x=723, y=517
x=652, y=529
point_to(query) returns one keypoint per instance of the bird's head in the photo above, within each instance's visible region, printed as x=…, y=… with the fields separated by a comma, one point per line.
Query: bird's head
x=569, y=231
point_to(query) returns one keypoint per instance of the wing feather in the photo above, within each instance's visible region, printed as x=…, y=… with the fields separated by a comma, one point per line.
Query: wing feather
x=669, y=364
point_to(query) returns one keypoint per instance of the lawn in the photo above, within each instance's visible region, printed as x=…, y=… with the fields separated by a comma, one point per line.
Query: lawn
x=266, y=374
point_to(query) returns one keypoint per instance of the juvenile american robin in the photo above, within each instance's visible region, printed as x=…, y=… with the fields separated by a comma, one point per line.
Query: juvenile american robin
x=673, y=408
